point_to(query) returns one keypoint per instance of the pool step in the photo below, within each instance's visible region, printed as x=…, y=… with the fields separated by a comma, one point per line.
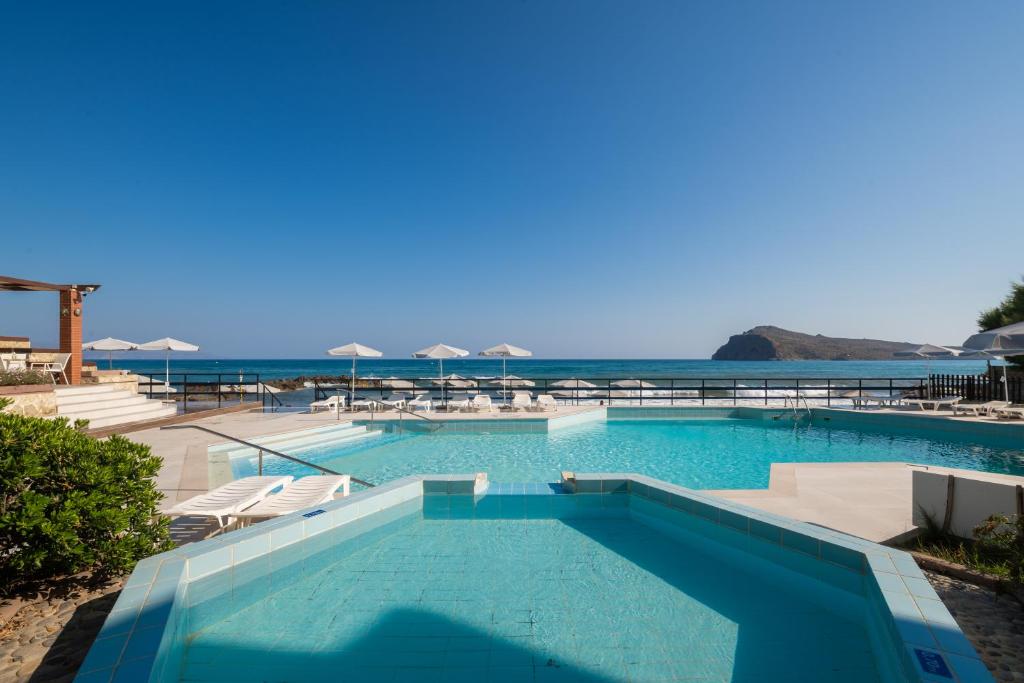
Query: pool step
x=291, y=442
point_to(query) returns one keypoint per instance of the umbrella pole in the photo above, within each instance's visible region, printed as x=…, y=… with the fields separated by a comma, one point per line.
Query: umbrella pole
x=1006, y=382
x=352, y=384
x=110, y=360
x=504, y=382
x=440, y=363
x=167, y=373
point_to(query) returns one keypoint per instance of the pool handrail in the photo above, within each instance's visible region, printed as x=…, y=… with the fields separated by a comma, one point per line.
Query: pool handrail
x=322, y=470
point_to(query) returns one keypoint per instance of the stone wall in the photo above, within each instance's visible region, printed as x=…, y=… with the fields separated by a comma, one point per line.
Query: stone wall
x=32, y=400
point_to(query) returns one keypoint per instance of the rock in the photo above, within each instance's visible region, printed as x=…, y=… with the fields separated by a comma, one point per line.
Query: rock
x=767, y=342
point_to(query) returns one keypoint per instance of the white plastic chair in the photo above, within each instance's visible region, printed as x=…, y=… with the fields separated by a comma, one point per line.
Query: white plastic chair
x=482, y=402
x=521, y=400
x=458, y=401
x=546, y=402
x=424, y=401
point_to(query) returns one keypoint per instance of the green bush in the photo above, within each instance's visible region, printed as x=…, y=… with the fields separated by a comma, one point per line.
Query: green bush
x=70, y=503
x=10, y=378
x=1003, y=537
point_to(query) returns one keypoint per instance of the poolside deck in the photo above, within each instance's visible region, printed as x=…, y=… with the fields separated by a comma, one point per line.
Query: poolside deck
x=873, y=500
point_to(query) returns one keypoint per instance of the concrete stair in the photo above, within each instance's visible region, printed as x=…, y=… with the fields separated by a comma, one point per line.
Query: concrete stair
x=106, y=405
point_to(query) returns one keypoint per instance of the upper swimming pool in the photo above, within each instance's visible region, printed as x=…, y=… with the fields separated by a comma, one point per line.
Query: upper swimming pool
x=697, y=453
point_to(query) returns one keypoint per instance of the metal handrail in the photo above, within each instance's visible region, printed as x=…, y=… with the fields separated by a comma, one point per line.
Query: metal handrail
x=273, y=398
x=268, y=450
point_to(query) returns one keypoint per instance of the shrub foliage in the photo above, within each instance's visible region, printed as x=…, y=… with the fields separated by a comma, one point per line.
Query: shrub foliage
x=10, y=378
x=70, y=503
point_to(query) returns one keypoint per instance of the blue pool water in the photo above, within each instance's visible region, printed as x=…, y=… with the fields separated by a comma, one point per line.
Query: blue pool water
x=702, y=454
x=598, y=600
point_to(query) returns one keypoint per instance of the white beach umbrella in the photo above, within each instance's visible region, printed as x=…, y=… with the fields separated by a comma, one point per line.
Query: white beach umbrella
x=633, y=384
x=514, y=381
x=109, y=344
x=575, y=384
x=1002, y=342
x=167, y=344
x=928, y=352
x=452, y=381
x=354, y=351
x=395, y=383
x=505, y=351
x=440, y=352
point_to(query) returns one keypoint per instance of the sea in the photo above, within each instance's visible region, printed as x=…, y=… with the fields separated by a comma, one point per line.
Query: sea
x=551, y=368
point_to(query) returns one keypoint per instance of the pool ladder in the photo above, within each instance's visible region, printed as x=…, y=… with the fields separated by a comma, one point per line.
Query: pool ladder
x=796, y=406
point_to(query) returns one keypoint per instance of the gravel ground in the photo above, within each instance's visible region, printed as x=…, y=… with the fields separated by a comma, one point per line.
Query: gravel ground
x=47, y=640
x=993, y=623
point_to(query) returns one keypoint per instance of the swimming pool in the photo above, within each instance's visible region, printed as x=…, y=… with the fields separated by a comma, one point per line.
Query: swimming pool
x=604, y=579
x=726, y=452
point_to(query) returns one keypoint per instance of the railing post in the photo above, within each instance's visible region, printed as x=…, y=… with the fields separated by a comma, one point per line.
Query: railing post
x=766, y=392
x=259, y=463
x=184, y=389
x=218, y=390
x=828, y=392
x=798, y=392
x=734, y=392
x=672, y=392
x=702, y=391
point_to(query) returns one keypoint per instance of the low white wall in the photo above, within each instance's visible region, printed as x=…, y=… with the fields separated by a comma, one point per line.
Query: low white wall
x=975, y=498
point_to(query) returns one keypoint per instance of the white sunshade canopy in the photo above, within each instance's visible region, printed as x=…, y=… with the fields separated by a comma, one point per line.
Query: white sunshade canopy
x=573, y=383
x=1002, y=339
x=507, y=351
x=109, y=344
x=168, y=344
x=514, y=381
x=440, y=352
x=928, y=351
x=354, y=350
x=633, y=384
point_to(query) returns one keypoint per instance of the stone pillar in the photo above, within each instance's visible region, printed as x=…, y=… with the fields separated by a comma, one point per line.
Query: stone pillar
x=71, y=332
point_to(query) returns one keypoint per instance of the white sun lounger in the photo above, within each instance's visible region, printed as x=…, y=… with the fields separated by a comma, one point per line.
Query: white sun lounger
x=225, y=501
x=1010, y=411
x=300, y=494
x=521, y=400
x=979, y=409
x=394, y=401
x=935, y=403
x=546, y=402
x=880, y=401
x=329, y=403
x=458, y=401
x=482, y=402
x=423, y=402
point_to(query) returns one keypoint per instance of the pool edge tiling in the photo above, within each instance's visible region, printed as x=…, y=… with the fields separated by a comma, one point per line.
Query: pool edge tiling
x=137, y=640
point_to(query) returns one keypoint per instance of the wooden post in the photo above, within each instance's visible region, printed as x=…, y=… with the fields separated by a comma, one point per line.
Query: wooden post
x=71, y=332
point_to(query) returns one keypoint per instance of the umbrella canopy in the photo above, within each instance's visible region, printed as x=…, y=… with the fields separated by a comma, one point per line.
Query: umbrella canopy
x=1010, y=337
x=506, y=351
x=452, y=381
x=109, y=344
x=354, y=351
x=573, y=383
x=440, y=352
x=633, y=384
x=928, y=351
x=395, y=383
x=1001, y=342
x=167, y=344
x=513, y=381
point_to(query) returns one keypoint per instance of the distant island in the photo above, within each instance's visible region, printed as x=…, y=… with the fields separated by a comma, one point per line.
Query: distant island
x=766, y=342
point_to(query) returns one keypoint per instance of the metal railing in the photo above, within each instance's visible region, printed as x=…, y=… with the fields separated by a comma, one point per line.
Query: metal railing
x=321, y=392
x=659, y=390
x=261, y=449
x=982, y=387
x=205, y=388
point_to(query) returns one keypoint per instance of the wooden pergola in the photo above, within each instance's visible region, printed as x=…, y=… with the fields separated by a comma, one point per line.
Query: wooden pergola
x=70, y=316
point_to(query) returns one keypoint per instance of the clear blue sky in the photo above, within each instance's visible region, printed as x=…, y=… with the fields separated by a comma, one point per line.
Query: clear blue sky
x=581, y=178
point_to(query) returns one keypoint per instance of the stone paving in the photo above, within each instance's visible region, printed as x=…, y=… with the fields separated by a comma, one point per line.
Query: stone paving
x=47, y=640
x=993, y=623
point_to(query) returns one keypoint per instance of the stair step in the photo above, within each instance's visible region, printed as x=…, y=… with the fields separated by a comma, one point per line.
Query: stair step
x=304, y=443
x=121, y=402
x=271, y=439
x=86, y=389
x=96, y=399
x=288, y=450
x=123, y=411
x=152, y=414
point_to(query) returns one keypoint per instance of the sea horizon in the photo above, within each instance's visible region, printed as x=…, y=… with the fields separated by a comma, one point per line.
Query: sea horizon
x=551, y=368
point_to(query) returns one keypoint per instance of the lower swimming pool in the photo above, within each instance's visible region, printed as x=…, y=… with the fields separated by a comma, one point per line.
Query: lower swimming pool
x=716, y=453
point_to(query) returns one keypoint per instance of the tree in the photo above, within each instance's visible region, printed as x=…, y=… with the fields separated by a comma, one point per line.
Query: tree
x=1010, y=311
